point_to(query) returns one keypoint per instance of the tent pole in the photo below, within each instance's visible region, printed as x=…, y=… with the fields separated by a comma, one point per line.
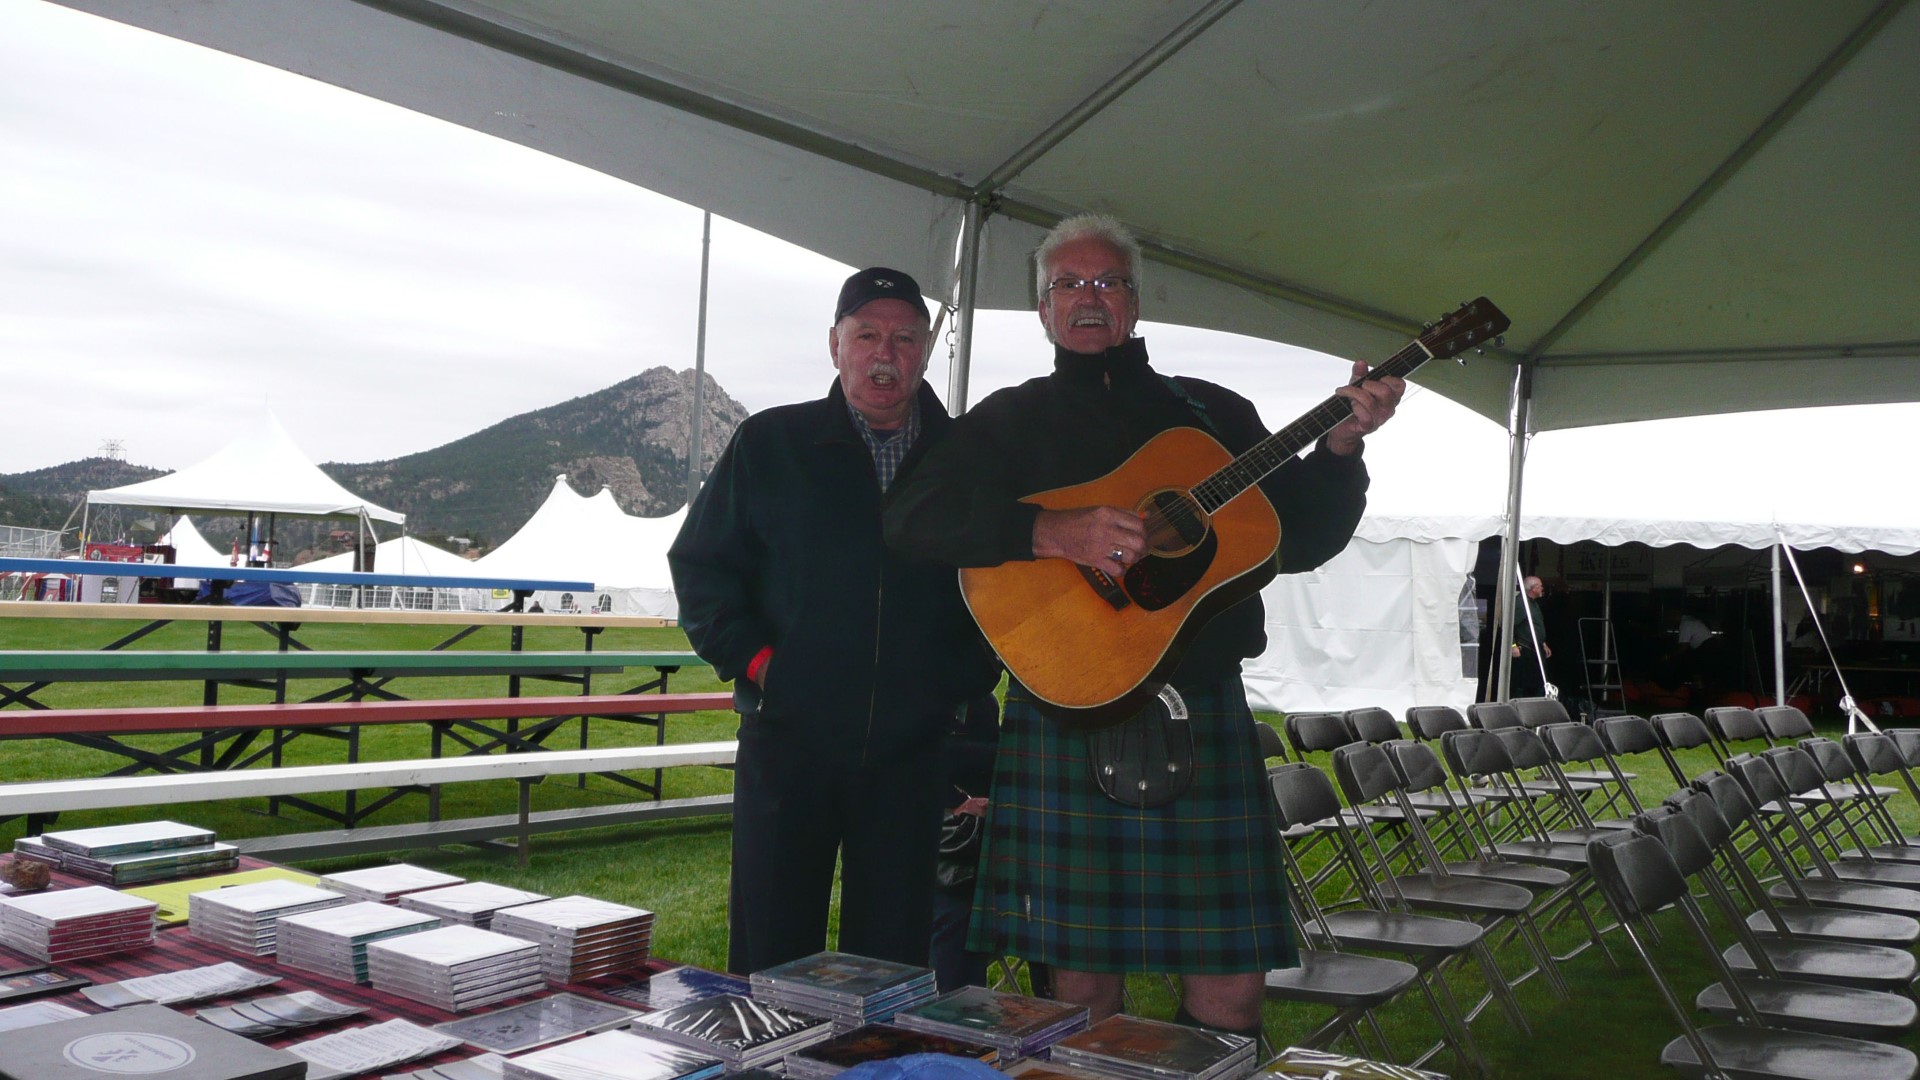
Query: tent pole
x=1779, y=631
x=1519, y=419
x=957, y=378
x=694, y=453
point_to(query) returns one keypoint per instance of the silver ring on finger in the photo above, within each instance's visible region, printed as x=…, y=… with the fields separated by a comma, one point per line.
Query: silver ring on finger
x=1119, y=555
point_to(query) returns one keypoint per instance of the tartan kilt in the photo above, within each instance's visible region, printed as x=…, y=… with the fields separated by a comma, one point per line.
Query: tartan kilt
x=1071, y=878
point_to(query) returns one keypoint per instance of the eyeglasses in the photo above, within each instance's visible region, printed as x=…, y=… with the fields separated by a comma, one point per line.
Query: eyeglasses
x=1099, y=284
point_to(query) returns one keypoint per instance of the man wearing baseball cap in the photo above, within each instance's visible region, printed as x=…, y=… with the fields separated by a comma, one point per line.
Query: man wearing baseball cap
x=848, y=663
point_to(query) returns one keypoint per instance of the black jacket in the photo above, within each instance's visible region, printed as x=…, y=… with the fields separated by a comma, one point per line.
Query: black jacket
x=1082, y=422
x=783, y=548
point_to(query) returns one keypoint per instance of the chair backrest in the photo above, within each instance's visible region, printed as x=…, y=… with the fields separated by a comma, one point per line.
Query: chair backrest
x=1472, y=752
x=1626, y=735
x=1302, y=795
x=1705, y=814
x=1733, y=723
x=1493, y=715
x=1536, y=712
x=1433, y=721
x=1680, y=731
x=1680, y=836
x=1784, y=722
x=1417, y=765
x=1570, y=742
x=1830, y=758
x=1796, y=768
x=1316, y=731
x=1272, y=745
x=1874, y=753
x=1758, y=780
x=1636, y=873
x=1364, y=772
x=1908, y=740
x=1527, y=749
x=1729, y=796
x=1373, y=724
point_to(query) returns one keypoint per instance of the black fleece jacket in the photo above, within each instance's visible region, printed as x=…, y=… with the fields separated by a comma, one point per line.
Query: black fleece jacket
x=961, y=505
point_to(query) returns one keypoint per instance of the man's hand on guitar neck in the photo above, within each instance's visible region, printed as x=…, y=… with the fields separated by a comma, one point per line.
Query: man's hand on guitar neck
x=1106, y=538
x=1373, y=402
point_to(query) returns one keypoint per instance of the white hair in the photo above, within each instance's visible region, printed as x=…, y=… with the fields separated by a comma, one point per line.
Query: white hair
x=1083, y=227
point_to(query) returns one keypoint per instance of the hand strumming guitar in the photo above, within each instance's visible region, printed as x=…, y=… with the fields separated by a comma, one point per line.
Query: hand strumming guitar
x=1106, y=538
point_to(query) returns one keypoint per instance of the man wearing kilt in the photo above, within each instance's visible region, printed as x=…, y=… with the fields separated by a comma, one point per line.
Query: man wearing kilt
x=1070, y=877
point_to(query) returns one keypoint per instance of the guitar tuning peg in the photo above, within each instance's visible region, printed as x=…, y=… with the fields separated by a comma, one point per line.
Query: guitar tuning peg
x=1425, y=326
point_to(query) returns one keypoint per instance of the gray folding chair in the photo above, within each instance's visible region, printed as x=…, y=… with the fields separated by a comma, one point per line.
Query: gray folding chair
x=1373, y=724
x=1678, y=731
x=1429, y=722
x=1493, y=715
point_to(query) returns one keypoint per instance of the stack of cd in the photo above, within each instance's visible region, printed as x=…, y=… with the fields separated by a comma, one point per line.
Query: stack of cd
x=743, y=1033
x=455, y=967
x=129, y=839
x=1016, y=1026
x=877, y=1042
x=333, y=941
x=849, y=990
x=581, y=937
x=613, y=1055
x=385, y=884
x=66, y=924
x=34, y=849
x=1129, y=1048
x=472, y=903
x=142, y=867
x=131, y=854
x=246, y=917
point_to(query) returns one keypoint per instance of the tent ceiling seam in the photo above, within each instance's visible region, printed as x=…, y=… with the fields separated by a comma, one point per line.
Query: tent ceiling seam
x=1735, y=354
x=1822, y=74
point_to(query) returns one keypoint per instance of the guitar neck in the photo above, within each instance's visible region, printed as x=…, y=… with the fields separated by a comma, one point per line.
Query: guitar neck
x=1276, y=449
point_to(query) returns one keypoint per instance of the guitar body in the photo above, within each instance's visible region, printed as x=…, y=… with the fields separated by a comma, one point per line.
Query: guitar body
x=1091, y=654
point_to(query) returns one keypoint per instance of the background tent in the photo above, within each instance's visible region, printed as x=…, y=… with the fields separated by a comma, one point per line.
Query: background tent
x=260, y=471
x=1685, y=208
x=592, y=539
x=191, y=549
x=400, y=555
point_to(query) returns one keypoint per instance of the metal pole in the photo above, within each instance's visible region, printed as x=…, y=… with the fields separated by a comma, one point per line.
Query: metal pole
x=1519, y=418
x=694, y=472
x=970, y=226
x=1779, y=631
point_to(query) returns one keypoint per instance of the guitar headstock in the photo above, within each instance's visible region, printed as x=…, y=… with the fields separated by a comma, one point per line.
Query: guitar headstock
x=1472, y=324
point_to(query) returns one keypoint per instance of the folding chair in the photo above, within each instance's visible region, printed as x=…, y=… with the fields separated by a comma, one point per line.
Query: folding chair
x=1571, y=823
x=1878, y=754
x=1272, y=743
x=1537, y=712
x=1679, y=731
x=1861, y=802
x=1575, y=750
x=1768, y=786
x=1429, y=722
x=1626, y=738
x=1492, y=715
x=1735, y=730
x=1374, y=725
x=1804, y=985
x=1316, y=732
x=1639, y=878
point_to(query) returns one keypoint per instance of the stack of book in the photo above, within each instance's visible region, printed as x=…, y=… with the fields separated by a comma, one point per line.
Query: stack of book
x=877, y=1042
x=385, y=884
x=247, y=917
x=849, y=990
x=613, y=1055
x=455, y=967
x=1129, y=1048
x=742, y=1032
x=141, y=1039
x=472, y=903
x=66, y=924
x=580, y=937
x=333, y=941
x=131, y=854
x=1016, y=1026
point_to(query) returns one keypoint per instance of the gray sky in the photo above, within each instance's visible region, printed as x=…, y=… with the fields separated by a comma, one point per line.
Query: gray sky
x=190, y=237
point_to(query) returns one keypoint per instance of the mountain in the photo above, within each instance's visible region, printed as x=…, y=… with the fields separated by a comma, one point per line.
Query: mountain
x=631, y=437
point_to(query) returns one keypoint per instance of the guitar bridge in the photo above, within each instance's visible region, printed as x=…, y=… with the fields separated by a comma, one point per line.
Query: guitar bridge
x=1109, y=589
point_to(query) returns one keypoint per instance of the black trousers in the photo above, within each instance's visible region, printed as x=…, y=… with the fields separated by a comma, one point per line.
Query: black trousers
x=798, y=802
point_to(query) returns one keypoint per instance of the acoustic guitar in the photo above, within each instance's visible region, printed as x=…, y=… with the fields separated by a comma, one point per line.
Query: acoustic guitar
x=1094, y=650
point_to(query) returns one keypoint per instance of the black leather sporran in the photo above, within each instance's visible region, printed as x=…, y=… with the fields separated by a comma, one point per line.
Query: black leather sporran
x=1146, y=760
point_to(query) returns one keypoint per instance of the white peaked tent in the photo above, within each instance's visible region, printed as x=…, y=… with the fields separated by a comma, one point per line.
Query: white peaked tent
x=1378, y=625
x=261, y=471
x=190, y=548
x=401, y=555
x=592, y=539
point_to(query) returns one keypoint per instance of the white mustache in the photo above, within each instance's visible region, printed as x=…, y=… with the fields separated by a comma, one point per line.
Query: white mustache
x=884, y=369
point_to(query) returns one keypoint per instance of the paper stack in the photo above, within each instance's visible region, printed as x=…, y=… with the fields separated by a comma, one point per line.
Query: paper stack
x=849, y=990
x=247, y=917
x=1016, y=1026
x=455, y=967
x=581, y=937
x=472, y=903
x=66, y=924
x=1130, y=1048
x=385, y=884
x=743, y=1033
x=613, y=1055
x=333, y=941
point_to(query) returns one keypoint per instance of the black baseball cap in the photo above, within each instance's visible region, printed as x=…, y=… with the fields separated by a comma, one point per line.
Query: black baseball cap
x=879, y=283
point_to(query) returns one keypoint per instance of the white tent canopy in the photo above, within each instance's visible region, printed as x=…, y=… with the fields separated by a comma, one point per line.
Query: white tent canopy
x=190, y=548
x=260, y=471
x=572, y=537
x=401, y=555
x=1685, y=208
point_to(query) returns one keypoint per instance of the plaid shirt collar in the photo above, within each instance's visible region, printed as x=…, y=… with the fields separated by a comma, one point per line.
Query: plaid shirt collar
x=888, y=448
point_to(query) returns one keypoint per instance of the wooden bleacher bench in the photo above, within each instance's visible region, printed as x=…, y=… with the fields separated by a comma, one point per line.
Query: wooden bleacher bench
x=41, y=797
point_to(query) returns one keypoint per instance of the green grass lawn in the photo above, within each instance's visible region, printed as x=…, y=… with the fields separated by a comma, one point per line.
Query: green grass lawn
x=1612, y=1026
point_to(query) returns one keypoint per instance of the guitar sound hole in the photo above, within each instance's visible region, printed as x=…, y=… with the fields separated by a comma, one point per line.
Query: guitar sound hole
x=1175, y=523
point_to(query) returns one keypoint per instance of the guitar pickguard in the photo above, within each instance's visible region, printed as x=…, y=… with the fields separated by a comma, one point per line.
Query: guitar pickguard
x=1159, y=581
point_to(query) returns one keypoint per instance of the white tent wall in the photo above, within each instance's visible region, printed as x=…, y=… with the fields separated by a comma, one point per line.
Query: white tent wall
x=1377, y=625
x=578, y=538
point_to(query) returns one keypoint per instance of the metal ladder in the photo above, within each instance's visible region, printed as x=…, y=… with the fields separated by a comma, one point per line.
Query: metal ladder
x=1600, y=665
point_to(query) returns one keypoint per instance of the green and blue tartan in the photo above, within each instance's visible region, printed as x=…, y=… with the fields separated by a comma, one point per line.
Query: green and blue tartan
x=1071, y=878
